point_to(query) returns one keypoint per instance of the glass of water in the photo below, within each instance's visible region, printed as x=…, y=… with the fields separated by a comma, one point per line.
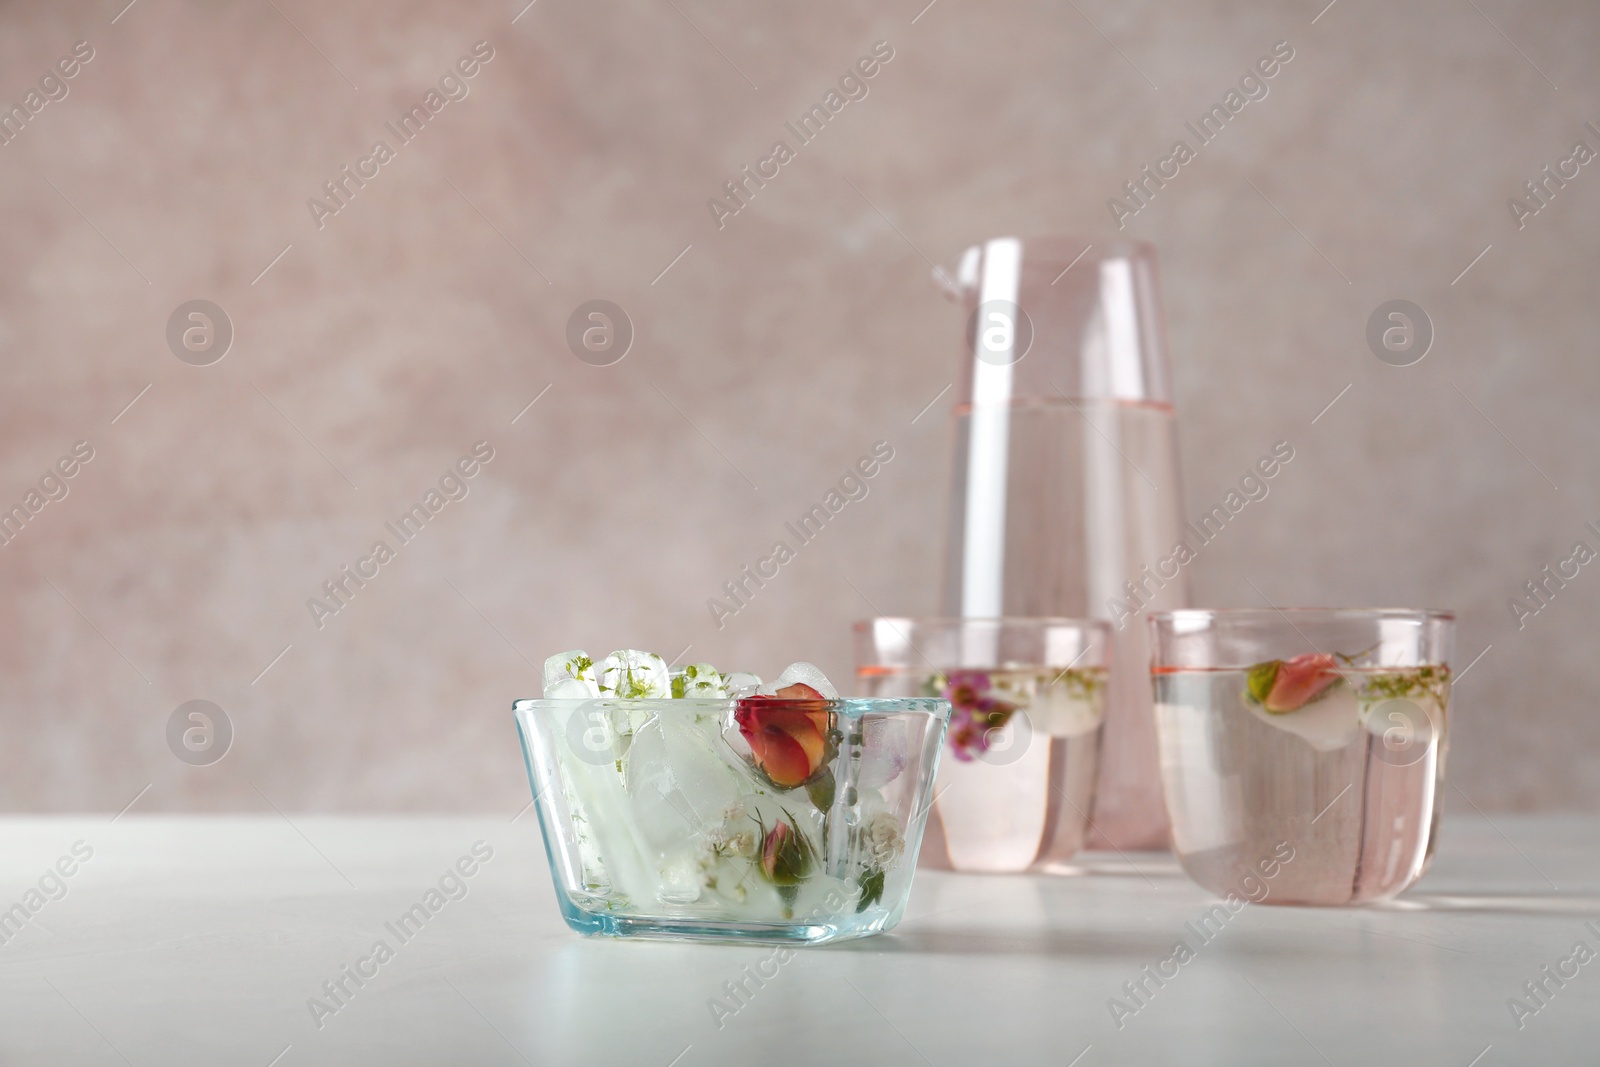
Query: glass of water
x=1308, y=743
x=1016, y=786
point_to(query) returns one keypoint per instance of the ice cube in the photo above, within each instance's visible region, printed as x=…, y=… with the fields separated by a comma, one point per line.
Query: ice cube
x=1327, y=723
x=806, y=674
x=1060, y=713
x=682, y=879
x=575, y=665
x=742, y=684
x=699, y=680
x=680, y=780
x=629, y=673
x=885, y=750
x=1401, y=721
x=569, y=689
x=608, y=843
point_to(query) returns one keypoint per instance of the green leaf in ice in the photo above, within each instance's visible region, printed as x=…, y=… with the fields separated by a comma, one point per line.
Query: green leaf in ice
x=788, y=894
x=871, y=888
x=820, y=789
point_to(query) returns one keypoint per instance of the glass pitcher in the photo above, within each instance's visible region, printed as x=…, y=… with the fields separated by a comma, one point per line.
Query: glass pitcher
x=1067, y=499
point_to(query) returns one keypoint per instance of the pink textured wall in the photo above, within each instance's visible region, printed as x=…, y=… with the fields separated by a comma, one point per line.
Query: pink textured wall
x=772, y=348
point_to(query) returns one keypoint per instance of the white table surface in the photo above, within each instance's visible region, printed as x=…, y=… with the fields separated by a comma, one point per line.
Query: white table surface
x=200, y=941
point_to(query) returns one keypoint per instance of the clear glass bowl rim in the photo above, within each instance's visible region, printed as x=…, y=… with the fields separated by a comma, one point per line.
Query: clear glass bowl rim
x=849, y=707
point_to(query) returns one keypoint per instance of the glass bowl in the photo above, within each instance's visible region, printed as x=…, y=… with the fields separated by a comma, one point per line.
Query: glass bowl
x=753, y=820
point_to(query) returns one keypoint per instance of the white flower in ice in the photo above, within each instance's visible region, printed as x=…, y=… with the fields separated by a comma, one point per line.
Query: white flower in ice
x=723, y=840
x=883, y=839
x=629, y=673
x=724, y=856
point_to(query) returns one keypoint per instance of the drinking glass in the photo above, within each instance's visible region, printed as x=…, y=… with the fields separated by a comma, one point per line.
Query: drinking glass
x=1302, y=750
x=1015, y=789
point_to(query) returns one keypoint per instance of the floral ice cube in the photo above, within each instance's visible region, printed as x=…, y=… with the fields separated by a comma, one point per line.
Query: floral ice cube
x=1326, y=724
x=570, y=666
x=699, y=680
x=630, y=673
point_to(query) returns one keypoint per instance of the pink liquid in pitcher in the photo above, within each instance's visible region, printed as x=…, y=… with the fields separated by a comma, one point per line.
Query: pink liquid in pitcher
x=1093, y=505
